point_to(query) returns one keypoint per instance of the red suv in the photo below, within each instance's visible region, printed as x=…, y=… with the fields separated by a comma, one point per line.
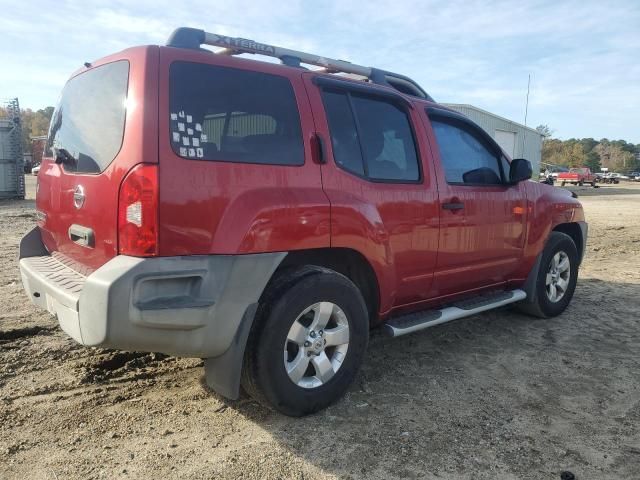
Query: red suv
x=264, y=217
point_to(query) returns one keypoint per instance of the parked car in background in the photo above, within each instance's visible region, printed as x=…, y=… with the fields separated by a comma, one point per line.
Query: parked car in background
x=35, y=170
x=635, y=176
x=577, y=176
x=264, y=217
x=612, y=178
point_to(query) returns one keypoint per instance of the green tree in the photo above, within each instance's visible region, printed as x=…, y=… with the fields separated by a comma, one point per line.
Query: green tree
x=592, y=161
x=34, y=124
x=545, y=131
x=574, y=155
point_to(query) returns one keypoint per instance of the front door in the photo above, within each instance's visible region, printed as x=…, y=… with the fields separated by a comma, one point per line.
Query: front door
x=482, y=216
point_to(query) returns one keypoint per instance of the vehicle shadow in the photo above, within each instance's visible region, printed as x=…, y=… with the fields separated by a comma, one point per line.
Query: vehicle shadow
x=498, y=394
x=627, y=188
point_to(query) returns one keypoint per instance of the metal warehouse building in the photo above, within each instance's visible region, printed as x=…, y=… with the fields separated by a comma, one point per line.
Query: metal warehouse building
x=515, y=139
x=11, y=162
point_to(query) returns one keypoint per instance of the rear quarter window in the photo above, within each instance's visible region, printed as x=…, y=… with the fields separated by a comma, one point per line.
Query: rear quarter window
x=231, y=115
x=89, y=120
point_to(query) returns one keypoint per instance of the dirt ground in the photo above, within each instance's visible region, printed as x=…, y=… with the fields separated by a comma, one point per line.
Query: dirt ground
x=496, y=396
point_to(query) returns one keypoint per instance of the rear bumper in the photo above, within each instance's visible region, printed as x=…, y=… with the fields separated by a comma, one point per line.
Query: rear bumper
x=188, y=306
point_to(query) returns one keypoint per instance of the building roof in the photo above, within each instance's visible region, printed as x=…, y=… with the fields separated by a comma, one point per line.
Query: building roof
x=466, y=105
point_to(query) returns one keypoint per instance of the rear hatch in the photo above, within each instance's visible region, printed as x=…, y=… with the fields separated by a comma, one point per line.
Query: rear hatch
x=105, y=124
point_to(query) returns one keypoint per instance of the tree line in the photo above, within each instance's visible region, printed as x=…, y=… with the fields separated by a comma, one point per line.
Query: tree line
x=34, y=124
x=616, y=155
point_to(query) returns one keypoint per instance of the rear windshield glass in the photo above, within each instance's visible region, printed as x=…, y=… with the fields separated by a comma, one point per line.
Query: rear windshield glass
x=231, y=115
x=87, y=126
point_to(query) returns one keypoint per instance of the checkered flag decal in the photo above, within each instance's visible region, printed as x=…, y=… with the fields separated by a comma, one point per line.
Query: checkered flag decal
x=187, y=135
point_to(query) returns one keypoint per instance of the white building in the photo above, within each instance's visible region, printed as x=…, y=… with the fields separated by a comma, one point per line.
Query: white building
x=515, y=139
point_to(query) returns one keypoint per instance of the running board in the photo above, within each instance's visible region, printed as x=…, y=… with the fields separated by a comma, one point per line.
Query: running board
x=418, y=321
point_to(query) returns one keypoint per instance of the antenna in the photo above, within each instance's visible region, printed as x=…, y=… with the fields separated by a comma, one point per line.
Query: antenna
x=526, y=111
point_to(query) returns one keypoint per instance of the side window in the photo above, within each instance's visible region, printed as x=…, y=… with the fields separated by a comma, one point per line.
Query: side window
x=506, y=167
x=232, y=115
x=387, y=140
x=371, y=137
x=344, y=137
x=465, y=157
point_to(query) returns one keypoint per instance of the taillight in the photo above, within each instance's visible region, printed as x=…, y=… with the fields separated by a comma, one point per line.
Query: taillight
x=138, y=212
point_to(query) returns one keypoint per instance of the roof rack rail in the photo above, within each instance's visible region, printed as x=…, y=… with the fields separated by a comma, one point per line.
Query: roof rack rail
x=193, y=38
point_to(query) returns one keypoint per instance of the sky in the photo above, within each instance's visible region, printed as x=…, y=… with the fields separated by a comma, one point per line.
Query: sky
x=583, y=56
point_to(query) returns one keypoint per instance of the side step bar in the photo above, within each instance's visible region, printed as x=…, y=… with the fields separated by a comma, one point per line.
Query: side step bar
x=418, y=321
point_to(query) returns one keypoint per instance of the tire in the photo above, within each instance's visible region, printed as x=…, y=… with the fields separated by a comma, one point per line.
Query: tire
x=270, y=352
x=562, y=184
x=543, y=306
x=580, y=183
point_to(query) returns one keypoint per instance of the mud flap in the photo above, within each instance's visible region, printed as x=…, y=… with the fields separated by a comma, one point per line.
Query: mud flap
x=223, y=373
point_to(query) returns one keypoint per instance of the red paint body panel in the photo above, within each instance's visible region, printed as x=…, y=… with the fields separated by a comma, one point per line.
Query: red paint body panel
x=99, y=212
x=482, y=243
x=395, y=226
x=230, y=208
x=421, y=254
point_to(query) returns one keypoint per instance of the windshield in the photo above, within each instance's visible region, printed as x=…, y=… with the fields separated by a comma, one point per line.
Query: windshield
x=88, y=124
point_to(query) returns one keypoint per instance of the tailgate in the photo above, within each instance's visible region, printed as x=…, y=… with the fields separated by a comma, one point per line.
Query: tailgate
x=96, y=136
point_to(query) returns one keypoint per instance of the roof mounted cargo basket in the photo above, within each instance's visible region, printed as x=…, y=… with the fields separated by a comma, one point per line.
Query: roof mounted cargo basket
x=194, y=38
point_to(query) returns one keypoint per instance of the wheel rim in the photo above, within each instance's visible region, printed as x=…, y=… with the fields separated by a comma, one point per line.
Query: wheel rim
x=558, y=276
x=316, y=345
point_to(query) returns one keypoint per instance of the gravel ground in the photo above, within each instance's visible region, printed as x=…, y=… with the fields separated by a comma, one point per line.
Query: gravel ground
x=495, y=396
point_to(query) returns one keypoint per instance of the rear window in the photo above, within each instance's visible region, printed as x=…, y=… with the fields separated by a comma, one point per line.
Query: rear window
x=88, y=123
x=231, y=115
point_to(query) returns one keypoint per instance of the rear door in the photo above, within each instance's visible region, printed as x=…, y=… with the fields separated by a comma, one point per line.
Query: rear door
x=382, y=191
x=482, y=216
x=104, y=124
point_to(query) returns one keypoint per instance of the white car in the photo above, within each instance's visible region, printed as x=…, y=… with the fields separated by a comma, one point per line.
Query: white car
x=35, y=170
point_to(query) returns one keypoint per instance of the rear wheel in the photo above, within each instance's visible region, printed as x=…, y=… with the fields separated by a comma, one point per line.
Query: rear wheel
x=308, y=341
x=557, y=277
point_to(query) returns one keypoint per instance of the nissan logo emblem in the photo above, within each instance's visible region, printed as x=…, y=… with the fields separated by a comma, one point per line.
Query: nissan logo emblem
x=78, y=196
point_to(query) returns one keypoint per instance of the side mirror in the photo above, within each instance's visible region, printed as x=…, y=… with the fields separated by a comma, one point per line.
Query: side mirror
x=520, y=170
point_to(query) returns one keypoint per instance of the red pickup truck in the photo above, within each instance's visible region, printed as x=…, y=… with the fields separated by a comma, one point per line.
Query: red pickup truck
x=264, y=217
x=577, y=176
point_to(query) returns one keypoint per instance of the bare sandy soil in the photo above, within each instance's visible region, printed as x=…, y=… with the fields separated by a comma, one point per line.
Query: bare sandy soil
x=500, y=395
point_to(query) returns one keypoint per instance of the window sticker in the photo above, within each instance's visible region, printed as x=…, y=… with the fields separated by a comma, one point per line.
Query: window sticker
x=198, y=127
x=195, y=141
x=189, y=118
x=199, y=152
x=185, y=141
x=183, y=152
x=203, y=137
x=189, y=131
x=174, y=116
x=181, y=114
x=176, y=136
x=180, y=127
x=192, y=152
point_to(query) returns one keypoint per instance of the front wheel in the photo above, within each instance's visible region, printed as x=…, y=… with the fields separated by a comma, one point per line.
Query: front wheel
x=557, y=277
x=308, y=341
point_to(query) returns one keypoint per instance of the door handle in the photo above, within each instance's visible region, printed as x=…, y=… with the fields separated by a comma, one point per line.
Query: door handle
x=81, y=235
x=453, y=206
x=320, y=148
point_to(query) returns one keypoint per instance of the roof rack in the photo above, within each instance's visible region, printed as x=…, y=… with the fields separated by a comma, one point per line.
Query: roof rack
x=193, y=38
